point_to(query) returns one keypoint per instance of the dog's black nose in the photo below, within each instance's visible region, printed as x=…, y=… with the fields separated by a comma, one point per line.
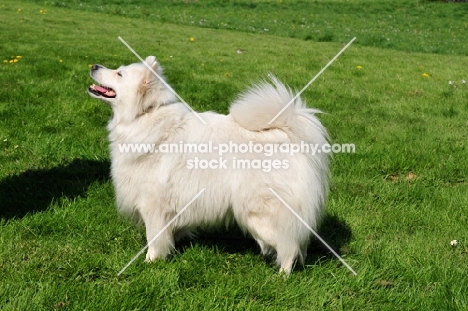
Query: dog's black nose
x=95, y=67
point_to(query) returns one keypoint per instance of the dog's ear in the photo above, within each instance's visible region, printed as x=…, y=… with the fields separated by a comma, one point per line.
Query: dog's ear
x=152, y=91
x=146, y=90
x=150, y=74
x=146, y=99
x=151, y=61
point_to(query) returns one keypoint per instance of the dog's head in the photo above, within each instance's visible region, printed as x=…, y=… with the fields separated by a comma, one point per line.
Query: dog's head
x=131, y=90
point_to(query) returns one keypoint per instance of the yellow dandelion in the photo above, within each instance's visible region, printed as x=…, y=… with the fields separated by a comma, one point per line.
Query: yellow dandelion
x=11, y=61
x=425, y=75
x=19, y=10
x=15, y=60
x=192, y=39
x=359, y=67
x=19, y=57
x=61, y=61
x=5, y=61
x=90, y=66
x=40, y=11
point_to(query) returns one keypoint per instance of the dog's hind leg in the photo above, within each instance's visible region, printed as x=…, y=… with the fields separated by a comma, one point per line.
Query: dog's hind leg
x=271, y=237
x=293, y=239
x=261, y=217
x=287, y=253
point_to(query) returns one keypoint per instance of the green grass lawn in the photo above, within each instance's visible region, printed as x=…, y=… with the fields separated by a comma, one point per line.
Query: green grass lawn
x=394, y=206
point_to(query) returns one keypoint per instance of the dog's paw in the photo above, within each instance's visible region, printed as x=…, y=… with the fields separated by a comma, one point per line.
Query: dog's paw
x=285, y=271
x=150, y=257
x=153, y=255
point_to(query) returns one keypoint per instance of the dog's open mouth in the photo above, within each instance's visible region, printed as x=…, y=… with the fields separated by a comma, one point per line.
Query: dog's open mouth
x=102, y=91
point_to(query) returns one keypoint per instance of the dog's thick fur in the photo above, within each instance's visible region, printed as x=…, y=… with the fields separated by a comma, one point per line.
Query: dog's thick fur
x=154, y=187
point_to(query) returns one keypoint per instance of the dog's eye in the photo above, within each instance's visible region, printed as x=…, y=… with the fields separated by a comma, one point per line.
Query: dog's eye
x=119, y=73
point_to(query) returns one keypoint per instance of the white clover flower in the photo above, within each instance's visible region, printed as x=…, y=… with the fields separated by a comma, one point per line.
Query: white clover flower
x=450, y=82
x=463, y=81
x=454, y=242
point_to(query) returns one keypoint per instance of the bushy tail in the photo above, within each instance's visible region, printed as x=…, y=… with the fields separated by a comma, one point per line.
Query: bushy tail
x=255, y=109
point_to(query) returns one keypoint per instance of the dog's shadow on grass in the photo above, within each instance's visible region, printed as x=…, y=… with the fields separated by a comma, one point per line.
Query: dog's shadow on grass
x=34, y=190
x=335, y=231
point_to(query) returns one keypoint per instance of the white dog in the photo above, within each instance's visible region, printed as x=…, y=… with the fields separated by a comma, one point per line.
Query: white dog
x=154, y=186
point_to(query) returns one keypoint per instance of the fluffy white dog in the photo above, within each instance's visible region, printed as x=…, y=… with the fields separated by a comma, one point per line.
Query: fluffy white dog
x=153, y=184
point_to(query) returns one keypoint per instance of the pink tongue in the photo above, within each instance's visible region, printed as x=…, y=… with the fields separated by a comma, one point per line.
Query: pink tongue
x=100, y=89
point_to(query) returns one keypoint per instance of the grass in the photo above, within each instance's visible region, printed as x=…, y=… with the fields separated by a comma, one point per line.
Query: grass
x=394, y=205
x=412, y=26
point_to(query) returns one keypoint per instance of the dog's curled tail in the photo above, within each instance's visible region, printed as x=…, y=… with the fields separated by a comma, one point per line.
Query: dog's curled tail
x=259, y=108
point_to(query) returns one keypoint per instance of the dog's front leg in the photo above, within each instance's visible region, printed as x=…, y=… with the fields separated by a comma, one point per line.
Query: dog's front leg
x=160, y=238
